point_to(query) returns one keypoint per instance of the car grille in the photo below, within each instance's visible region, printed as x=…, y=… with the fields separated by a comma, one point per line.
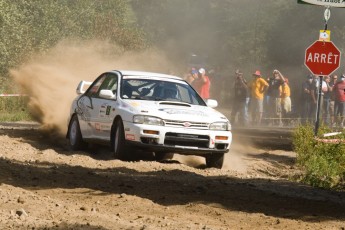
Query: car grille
x=190, y=140
x=186, y=124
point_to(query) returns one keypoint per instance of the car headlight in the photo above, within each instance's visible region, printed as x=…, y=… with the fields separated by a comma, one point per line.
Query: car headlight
x=148, y=120
x=222, y=126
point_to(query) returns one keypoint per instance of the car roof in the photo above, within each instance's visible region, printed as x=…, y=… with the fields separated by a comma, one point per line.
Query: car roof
x=146, y=74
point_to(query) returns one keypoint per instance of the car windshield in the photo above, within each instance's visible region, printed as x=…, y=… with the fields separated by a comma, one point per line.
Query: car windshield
x=158, y=90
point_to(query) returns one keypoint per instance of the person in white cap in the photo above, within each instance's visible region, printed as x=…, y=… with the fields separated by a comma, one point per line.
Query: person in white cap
x=202, y=84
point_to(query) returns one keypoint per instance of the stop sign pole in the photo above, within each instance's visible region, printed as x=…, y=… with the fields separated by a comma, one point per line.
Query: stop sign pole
x=322, y=58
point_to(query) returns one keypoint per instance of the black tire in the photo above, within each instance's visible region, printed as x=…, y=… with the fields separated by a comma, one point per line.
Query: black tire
x=159, y=156
x=215, y=161
x=74, y=135
x=119, y=141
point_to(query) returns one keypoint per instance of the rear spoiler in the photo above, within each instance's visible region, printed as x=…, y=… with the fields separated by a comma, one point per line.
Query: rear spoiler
x=83, y=86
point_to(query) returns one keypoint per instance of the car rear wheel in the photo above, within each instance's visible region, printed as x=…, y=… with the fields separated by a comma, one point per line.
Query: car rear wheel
x=74, y=135
x=215, y=161
x=119, y=141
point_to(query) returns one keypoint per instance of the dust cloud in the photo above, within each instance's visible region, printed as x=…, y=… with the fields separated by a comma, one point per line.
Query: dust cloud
x=235, y=160
x=51, y=79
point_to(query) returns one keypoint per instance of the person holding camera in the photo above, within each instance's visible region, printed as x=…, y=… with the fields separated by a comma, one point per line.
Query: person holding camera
x=202, y=84
x=275, y=102
x=240, y=100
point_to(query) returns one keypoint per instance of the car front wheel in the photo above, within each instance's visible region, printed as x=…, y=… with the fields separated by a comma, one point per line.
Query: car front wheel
x=215, y=161
x=119, y=141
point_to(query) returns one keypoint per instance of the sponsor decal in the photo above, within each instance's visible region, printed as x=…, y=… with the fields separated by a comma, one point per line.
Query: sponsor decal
x=184, y=112
x=130, y=137
x=108, y=110
x=105, y=128
x=105, y=109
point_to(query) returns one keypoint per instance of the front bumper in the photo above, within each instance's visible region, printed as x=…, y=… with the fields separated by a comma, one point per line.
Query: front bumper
x=188, y=141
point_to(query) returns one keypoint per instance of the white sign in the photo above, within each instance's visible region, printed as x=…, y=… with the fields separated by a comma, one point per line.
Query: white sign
x=327, y=14
x=332, y=3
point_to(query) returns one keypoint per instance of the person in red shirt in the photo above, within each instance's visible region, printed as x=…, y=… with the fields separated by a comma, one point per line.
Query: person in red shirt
x=202, y=84
x=339, y=102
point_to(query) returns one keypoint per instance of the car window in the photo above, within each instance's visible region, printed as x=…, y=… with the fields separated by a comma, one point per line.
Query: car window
x=106, y=81
x=157, y=90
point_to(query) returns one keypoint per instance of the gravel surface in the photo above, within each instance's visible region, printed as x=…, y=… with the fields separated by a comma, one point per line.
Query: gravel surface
x=44, y=185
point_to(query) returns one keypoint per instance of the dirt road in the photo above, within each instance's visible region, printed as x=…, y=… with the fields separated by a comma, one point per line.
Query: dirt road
x=46, y=186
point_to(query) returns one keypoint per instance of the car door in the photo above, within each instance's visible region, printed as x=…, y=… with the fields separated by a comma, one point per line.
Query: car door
x=102, y=110
x=86, y=108
x=83, y=110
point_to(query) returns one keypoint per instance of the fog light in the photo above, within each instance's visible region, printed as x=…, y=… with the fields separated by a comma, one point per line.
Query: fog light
x=151, y=132
x=222, y=138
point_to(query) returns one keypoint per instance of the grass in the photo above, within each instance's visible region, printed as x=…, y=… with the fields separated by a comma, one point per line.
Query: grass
x=323, y=163
x=14, y=109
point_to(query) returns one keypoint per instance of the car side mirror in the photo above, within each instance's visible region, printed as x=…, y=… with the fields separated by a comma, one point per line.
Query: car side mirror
x=83, y=86
x=107, y=94
x=211, y=103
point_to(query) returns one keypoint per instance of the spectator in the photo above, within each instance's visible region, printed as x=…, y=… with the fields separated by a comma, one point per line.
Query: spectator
x=308, y=100
x=339, y=105
x=202, y=84
x=258, y=86
x=240, y=100
x=275, y=102
x=192, y=76
x=315, y=95
x=327, y=91
x=286, y=100
x=268, y=110
x=332, y=82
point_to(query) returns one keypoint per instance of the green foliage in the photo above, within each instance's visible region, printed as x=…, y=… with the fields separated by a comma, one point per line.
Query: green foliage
x=14, y=109
x=21, y=115
x=322, y=162
x=30, y=26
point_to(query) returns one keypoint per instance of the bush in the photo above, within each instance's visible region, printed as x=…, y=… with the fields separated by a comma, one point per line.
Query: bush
x=323, y=163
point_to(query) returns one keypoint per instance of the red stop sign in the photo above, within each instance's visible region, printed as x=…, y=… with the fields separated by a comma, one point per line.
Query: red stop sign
x=322, y=58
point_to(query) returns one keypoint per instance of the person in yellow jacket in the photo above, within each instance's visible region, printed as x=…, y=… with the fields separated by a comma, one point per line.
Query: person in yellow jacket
x=258, y=87
x=285, y=99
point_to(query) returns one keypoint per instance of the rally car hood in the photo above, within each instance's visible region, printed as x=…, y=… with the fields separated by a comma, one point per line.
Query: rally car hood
x=170, y=110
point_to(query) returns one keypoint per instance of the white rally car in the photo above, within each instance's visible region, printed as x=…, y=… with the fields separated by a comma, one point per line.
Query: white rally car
x=156, y=112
